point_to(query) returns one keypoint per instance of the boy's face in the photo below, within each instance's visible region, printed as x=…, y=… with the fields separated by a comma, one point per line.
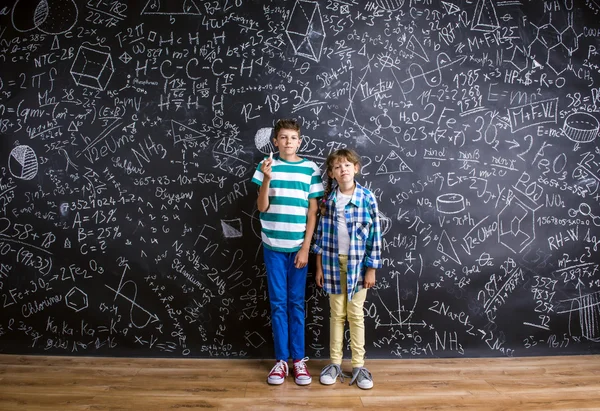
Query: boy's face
x=288, y=142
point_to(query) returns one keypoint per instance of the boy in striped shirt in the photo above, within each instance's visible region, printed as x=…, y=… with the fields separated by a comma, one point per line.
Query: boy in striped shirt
x=287, y=201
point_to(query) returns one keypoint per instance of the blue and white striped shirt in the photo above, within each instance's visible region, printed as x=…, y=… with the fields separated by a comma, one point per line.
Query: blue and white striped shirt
x=292, y=185
x=362, y=221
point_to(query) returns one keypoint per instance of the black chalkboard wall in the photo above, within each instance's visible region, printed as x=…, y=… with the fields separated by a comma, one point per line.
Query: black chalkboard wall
x=130, y=132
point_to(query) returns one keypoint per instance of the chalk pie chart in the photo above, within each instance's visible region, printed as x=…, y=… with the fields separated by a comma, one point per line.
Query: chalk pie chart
x=23, y=163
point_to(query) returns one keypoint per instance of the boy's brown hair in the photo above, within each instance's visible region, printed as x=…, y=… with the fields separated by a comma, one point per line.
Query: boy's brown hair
x=286, y=123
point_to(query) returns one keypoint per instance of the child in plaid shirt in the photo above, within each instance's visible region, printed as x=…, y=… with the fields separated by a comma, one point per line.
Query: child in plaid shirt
x=348, y=248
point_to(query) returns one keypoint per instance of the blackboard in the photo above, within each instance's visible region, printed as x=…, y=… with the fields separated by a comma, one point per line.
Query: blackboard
x=130, y=131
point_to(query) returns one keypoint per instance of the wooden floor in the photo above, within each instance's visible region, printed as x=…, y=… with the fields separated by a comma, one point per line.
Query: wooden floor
x=90, y=383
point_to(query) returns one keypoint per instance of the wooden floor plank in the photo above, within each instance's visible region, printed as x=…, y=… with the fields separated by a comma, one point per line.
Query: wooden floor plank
x=99, y=383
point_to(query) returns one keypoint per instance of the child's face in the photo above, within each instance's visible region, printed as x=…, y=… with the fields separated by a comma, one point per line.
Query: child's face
x=343, y=171
x=288, y=142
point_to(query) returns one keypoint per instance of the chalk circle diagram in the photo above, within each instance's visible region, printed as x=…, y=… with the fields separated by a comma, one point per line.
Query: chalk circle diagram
x=23, y=163
x=48, y=16
x=581, y=127
x=263, y=141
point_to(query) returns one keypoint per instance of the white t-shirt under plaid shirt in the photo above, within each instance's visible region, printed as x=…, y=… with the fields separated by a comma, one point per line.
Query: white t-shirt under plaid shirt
x=292, y=185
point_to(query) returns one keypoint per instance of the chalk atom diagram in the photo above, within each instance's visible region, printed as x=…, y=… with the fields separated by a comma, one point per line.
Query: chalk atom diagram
x=305, y=29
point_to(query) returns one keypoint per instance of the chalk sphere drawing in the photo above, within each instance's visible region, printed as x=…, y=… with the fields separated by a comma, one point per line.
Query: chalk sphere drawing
x=262, y=140
x=49, y=16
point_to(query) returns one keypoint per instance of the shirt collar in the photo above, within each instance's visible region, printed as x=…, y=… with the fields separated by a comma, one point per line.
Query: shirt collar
x=357, y=196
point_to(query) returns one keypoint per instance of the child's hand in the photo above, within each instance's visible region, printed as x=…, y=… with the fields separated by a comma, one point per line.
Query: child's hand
x=301, y=258
x=319, y=278
x=369, y=278
x=266, y=166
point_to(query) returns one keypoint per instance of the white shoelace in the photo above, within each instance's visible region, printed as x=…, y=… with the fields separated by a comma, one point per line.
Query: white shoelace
x=300, y=366
x=280, y=368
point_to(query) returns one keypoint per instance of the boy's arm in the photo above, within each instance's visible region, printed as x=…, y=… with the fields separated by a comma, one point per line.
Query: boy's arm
x=311, y=222
x=263, y=195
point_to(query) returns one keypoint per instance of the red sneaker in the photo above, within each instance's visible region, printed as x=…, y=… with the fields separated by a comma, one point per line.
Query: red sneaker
x=301, y=375
x=278, y=373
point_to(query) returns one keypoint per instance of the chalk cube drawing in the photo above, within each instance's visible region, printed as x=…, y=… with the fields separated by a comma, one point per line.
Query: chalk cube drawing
x=92, y=68
x=305, y=29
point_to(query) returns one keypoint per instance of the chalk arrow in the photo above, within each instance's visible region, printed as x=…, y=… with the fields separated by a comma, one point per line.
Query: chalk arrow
x=514, y=144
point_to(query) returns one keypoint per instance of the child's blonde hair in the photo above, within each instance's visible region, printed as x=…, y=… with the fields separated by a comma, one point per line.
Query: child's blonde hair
x=338, y=155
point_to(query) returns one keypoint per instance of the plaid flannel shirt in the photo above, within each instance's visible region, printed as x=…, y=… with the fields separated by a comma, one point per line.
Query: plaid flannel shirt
x=362, y=221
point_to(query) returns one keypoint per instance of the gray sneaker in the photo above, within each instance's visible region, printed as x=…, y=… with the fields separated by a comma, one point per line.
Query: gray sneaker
x=330, y=374
x=363, y=378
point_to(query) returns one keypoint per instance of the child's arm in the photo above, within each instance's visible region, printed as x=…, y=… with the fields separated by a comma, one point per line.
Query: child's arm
x=263, y=194
x=319, y=270
x=311, y=221
x=369, y=278
x=373, y=244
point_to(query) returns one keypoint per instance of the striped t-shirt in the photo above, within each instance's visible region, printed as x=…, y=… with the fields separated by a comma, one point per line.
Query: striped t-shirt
x=292, y=185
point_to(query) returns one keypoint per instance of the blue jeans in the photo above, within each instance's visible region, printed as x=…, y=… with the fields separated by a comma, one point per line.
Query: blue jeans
x=287, y=287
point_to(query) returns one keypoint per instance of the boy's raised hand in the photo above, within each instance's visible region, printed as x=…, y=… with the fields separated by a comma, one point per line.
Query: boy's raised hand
x=266, y=166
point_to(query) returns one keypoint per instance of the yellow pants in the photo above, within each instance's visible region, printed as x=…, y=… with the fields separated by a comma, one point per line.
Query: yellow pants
x=342, y=309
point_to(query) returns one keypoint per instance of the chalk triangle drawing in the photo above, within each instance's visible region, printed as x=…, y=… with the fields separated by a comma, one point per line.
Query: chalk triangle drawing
x=73, y=127
x=181, y=132
x=393, y=164
x=232, y=228
x=445, y=247
x=416, y=47
x=485, y=18
x=450, y=8
x=171, y=7
x=55, y=44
